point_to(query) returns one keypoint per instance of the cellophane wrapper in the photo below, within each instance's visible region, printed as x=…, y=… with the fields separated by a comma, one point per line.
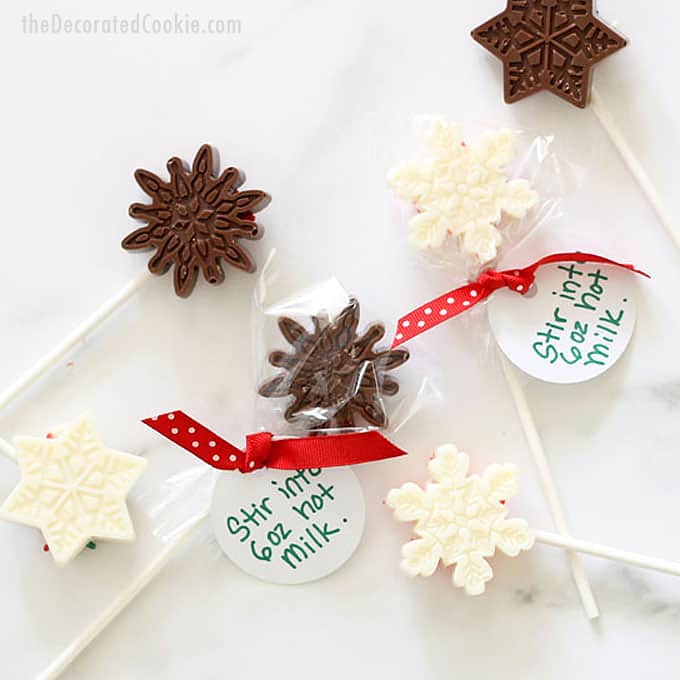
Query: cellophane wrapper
x=337, y=373
x=501, y=164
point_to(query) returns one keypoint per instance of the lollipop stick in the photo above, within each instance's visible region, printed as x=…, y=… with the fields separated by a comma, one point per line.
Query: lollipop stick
x=634, y=559
x=6, y=449
x=634, y=165
x=549, y=487
x=59, y=665
x=53, y=357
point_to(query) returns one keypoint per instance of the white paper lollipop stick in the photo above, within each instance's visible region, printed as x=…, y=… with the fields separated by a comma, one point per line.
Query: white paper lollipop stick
x=7, y=450
x=66, y=658
x=89, y=325
x=549, y=486
x=618, y=139
x=604, y=551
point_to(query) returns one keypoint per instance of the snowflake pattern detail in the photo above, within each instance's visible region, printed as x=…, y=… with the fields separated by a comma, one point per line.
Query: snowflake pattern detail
x=335, y=374
x=548, y=45
x=73, y=489
x=463, y=191
x=195, y=221
x=460, y=519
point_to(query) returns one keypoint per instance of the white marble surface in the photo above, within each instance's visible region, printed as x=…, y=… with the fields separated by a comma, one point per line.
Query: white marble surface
x=315, y=101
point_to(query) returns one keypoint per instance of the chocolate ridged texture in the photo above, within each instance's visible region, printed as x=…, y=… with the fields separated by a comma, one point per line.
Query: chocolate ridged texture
x=195, y=221
x=548, y=45
x=337, y=377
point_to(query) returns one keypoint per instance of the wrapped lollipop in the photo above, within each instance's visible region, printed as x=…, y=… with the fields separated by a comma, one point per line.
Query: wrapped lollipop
x=464, y=195
x=461, y=520
x=334, y=376
x=288, y=507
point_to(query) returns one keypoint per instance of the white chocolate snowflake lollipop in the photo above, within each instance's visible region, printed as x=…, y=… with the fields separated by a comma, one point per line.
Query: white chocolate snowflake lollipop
x=463, y=191
x=73, y=489
x=460, y=519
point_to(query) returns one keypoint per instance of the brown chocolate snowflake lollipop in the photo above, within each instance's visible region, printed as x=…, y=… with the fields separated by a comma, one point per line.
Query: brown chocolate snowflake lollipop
x=195, y=220
x=548, y=45
x=334, y=375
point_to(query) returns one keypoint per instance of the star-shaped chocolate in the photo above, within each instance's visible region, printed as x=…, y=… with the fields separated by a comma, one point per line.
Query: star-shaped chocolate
x=195, y=221
x=73, y=489
x=548, y=45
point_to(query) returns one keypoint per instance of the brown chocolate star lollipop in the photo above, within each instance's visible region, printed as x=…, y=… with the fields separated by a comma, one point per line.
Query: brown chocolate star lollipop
x=195, y=221
x=548, y=45
x=334, y=374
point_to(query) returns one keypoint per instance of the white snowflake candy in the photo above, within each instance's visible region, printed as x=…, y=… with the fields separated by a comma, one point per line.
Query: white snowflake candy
x=460, y=519
x=73, y=489
x=463, y=191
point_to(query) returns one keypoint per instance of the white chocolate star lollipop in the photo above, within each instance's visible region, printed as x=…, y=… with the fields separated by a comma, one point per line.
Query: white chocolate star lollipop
x=73, y=489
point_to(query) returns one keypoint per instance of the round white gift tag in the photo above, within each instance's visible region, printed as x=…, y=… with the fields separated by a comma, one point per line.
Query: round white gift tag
x=289, y=526
x=574, y=325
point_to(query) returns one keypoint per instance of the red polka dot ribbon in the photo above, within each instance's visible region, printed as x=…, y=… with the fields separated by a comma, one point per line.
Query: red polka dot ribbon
x=264, y=451
x=462, y=299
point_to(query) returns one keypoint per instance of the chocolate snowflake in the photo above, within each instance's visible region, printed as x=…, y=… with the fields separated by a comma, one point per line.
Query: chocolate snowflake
x=195, y=221
x=548, y=45
x=333, y=374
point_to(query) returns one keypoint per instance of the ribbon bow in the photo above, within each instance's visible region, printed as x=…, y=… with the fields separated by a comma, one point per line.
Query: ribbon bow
x=462, y=299
x=262, y=450
x=517, y=279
